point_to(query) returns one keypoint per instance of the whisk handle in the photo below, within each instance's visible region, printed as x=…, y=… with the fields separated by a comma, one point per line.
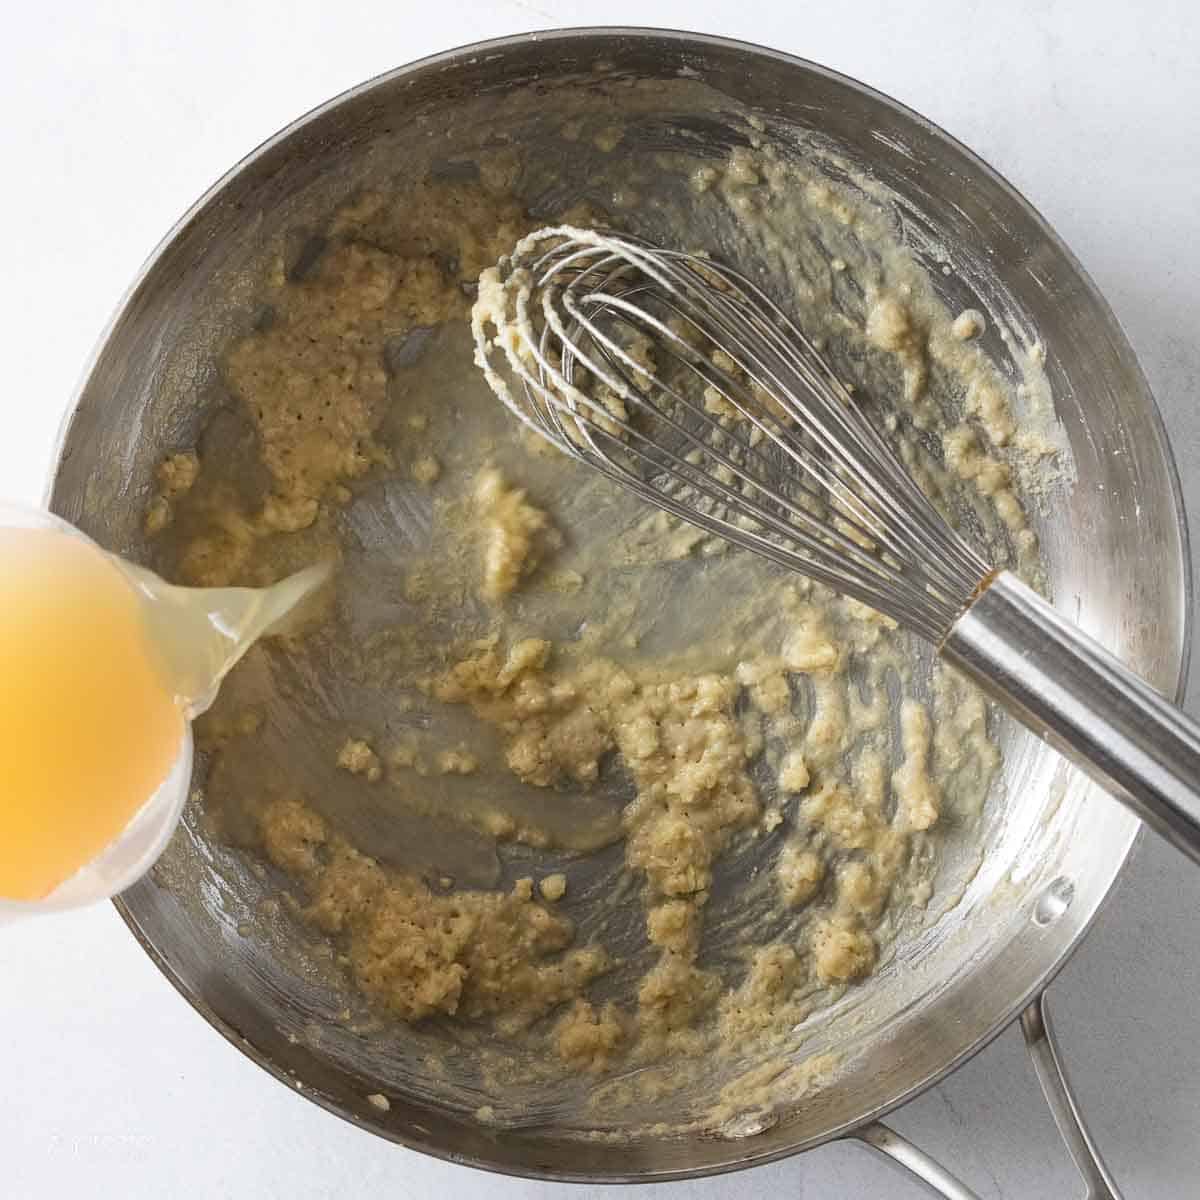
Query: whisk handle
x=1084, y=702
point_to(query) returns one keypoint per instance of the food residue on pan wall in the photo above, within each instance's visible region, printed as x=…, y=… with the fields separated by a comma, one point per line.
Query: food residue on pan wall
x=554, y=669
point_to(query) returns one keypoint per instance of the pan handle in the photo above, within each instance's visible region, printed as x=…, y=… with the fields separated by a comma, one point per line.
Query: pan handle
x=1064, y=1108
x=914, y=1160
x=1048, y=1065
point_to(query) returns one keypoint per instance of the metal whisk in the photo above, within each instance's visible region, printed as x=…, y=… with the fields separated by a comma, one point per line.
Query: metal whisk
x=679, y=378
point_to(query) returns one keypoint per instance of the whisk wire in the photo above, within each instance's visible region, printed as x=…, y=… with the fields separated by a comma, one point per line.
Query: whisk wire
x=799, y=518
x=770, y=452
x=838, y=427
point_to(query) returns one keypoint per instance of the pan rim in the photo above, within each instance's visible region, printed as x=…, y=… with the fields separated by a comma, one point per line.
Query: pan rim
x=701, y=42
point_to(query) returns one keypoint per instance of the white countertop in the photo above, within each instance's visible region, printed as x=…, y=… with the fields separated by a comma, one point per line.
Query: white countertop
x=117, y=116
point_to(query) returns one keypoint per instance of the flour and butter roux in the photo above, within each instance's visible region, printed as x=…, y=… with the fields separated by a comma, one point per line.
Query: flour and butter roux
x=583, y=648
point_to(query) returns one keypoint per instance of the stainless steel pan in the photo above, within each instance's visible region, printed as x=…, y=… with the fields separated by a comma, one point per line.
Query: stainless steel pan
x=1116, y=548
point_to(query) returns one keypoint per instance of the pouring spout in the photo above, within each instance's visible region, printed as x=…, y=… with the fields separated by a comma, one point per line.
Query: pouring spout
x=201, y=633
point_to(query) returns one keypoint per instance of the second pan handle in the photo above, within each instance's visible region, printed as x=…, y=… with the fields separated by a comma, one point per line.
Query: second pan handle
x=1047, y=1062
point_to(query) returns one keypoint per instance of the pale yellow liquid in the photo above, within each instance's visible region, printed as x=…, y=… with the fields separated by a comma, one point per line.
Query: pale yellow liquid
x=100, y=666
x=89, y=726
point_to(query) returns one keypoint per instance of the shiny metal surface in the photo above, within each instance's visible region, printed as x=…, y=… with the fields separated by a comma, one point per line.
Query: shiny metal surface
x=1085, y=703
x=1042, y=1045
x=1116, y=550
x=912, y=1159
x=818, y=491
x=1047, y=1062
x=821, y=493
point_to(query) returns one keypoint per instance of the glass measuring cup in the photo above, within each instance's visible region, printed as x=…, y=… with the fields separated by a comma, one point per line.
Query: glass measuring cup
x=103, y=667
